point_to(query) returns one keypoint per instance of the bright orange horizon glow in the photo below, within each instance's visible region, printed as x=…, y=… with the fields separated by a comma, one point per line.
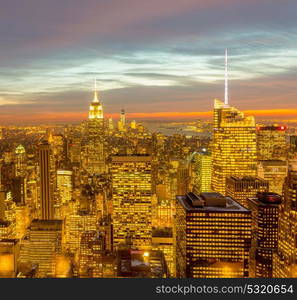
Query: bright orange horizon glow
x=289, y=114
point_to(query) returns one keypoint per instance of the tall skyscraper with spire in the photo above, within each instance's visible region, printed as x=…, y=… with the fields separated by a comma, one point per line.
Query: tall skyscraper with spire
x=95, y=109
x=234, y=142
x=95, y=155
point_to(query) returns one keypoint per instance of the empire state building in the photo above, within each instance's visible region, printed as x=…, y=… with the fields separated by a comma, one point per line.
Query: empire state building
x=95, y=155
x=95, y=109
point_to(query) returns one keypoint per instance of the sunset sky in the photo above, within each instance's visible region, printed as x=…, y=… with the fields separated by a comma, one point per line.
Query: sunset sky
x=158, y=58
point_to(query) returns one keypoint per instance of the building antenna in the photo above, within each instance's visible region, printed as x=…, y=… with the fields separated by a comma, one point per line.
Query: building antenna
x=226, y=78
x=95, y=91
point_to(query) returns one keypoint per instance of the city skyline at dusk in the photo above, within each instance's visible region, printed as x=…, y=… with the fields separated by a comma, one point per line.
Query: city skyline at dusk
x=162, y=61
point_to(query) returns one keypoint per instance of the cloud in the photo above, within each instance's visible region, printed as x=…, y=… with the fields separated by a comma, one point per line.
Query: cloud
x=159, y=56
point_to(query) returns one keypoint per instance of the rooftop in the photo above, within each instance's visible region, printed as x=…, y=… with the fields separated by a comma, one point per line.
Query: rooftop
x=210, y=202
x=265, y=198
x=37, y=224
x=245, y=178
x=131, y=158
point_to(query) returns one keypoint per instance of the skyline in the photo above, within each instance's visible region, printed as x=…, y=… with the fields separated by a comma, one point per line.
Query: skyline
x=163, y=62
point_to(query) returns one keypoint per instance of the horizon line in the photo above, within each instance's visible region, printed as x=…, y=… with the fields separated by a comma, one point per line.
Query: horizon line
x=158, y=116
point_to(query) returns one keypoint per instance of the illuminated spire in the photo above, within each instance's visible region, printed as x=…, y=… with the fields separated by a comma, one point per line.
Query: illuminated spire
x=95, y=109
x=226, y=78
x=95, y=99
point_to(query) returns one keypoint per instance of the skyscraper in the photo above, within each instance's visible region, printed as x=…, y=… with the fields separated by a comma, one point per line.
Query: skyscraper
x=122, y=121
x=43, y=246
x=20, y=161
x=242, y=188
x=234, y=151
x=47, y=208
x=213, y=235
x=271, y=142
x=132, y=203
x=95, y=148
x=265, y=216
x=64, y=186
x=275, y=172
x=202, y=171
x=284, y=260
x=123, y=117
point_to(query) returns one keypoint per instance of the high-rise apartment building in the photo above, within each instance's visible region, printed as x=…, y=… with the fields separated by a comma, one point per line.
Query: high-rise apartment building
x=265, y=220
x=132, y=199
x=234, y=150
x=242, y=188
x=271, y=142
x=213, y=235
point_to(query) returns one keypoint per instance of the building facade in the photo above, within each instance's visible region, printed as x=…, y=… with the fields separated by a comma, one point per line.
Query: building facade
x=132, y=199
x=242, y=188
x=285, y=259
x=265, y=220
x=213, y=235
x=234, y=151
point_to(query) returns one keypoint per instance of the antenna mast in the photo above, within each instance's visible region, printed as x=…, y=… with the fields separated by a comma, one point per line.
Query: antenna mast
x=226, y=78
